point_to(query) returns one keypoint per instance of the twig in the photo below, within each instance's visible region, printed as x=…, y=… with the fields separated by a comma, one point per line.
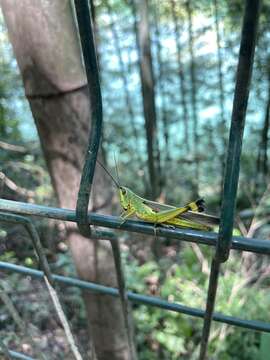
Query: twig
x=266, y=192
x=5, y=349
x=25, y=329
x=201, y=258
x=12, y=147
x=34, y=236
x=63, y=320
x=14, y=187
x=255, y=224
x=242, y=226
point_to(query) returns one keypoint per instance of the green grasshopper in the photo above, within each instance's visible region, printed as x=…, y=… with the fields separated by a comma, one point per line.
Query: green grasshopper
x=188, y=216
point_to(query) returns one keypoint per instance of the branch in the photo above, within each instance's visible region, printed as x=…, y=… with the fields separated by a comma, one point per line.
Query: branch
x=14, y=187
x=27, y=329
x=16, y=148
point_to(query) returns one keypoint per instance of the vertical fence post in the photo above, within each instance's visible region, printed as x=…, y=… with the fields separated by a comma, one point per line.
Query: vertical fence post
x=92, y=73
x=96, y=116
x=241, y=94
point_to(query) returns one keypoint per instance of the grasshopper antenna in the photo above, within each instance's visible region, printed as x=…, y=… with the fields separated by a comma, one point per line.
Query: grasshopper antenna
x=110, y=175
x=116, y=168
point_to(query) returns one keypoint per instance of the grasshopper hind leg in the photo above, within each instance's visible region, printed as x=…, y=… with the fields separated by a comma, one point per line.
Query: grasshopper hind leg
x=198, y=205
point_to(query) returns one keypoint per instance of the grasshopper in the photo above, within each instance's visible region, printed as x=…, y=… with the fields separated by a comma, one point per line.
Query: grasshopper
x=188, y=216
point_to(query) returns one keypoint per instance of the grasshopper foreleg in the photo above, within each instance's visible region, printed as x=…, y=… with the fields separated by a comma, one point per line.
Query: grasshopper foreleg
x=125, y=215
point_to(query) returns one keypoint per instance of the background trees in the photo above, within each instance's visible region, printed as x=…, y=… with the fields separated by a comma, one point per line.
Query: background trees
x=167, y=72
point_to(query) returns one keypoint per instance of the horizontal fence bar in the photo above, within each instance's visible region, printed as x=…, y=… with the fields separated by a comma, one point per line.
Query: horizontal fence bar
x=140, y=299
x=17, y=355
x=200, y=237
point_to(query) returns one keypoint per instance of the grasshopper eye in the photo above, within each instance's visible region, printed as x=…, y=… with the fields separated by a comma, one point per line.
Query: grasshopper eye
x=124, y=191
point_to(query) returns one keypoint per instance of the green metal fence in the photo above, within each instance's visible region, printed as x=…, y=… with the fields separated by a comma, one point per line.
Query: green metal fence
x=12, y=211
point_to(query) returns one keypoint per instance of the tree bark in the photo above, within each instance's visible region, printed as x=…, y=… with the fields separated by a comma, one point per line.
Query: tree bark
x=194, y=102
x=160, y=81
x=182, y=77
x=128, y=102
x=263, y=153
x=148, y=92
x=45, y=42
x=96, y=34
x=222, y=127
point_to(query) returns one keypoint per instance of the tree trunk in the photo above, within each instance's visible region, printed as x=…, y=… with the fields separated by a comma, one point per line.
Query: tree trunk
x=148, y=93
x=96, y=34
x=182, y=82
x=222, y=127
x=160, y=64
x=265, y=137
x=263, y=155
x=128, y=102
x=194, y=103
x=45, y=42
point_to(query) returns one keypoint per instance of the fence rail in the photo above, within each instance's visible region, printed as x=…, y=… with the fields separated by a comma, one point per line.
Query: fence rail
x=223, y=242
x=205, y=238
x=138, y=298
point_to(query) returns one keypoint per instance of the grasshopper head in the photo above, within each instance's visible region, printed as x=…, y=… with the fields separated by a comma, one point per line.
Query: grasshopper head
x=124, y=193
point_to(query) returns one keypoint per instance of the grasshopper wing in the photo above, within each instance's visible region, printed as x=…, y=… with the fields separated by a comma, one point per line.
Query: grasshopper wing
x=200, y=217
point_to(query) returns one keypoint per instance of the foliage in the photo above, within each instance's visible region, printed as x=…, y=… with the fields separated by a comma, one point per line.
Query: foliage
x=162, y=334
